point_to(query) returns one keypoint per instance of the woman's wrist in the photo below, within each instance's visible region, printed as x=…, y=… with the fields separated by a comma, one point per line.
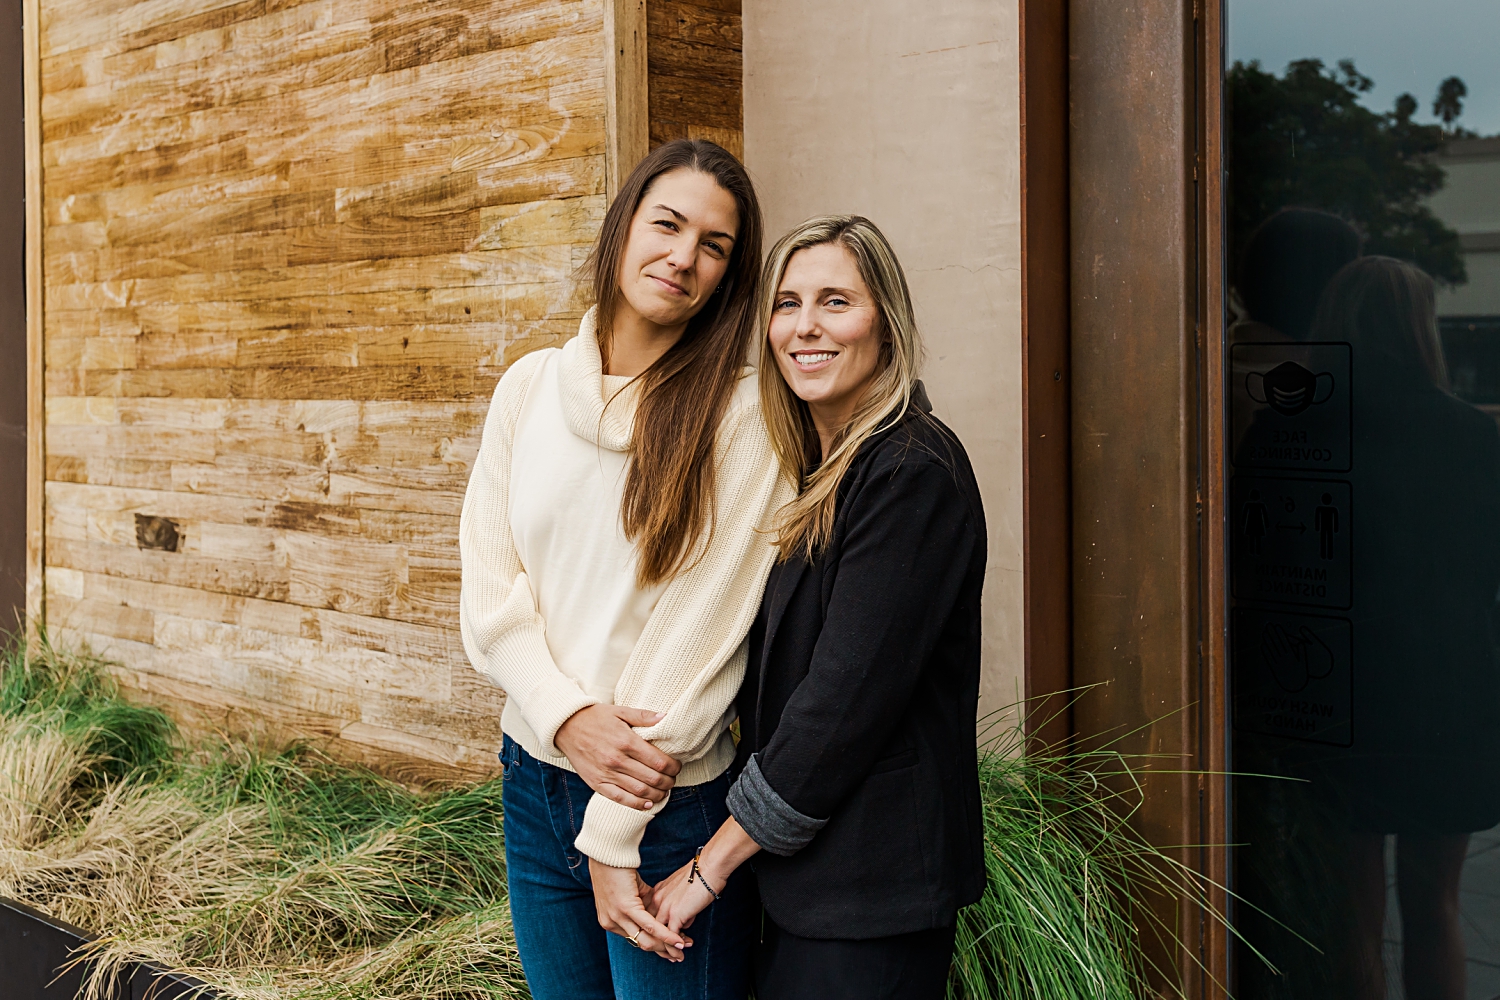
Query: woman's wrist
x=729, y=848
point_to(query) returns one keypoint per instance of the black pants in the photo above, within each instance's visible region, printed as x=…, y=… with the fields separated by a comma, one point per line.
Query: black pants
x=904, y=967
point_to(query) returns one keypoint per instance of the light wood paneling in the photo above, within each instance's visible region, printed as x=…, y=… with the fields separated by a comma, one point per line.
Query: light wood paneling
x=627, y=109
x=695, y=63
x=286, y=250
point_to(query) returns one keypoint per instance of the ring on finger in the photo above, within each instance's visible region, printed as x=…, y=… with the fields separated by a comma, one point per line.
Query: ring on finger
x=632, y=937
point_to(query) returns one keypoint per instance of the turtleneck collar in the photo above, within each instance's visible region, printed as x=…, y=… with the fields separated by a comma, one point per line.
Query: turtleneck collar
x=582, y=384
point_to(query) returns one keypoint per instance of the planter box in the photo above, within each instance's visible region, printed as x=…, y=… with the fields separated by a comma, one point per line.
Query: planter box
x=35, y=949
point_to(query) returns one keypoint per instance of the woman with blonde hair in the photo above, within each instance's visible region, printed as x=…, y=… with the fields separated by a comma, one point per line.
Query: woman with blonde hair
x=613, y=560
x=857, y=792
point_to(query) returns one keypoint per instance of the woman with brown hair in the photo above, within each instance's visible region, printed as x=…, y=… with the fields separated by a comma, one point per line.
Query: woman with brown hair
x=613, y=561
x=858, y=790
x=1424, y=524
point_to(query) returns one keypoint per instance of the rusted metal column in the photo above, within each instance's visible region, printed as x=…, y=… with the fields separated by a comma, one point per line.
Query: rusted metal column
x=1045, y=269
x=1139, y=419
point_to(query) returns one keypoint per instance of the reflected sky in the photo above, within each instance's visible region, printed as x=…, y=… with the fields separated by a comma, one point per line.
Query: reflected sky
x=1403, y=45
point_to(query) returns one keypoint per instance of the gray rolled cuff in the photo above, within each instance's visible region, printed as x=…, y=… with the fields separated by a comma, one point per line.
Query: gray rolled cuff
x=767, y=817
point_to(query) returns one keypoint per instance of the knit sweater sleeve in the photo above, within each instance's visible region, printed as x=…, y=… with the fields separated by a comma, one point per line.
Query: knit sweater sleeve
x=698, y=628
x=503, y=632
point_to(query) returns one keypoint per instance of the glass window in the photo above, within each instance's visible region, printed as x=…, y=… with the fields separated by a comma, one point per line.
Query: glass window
x=1363, y=238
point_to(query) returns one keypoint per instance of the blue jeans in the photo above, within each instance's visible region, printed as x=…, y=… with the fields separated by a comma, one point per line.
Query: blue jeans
x=565, y=954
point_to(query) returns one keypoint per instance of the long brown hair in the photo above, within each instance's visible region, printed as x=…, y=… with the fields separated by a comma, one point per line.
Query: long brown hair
x=669, y=490
x=805, y=524
x=1387, y=309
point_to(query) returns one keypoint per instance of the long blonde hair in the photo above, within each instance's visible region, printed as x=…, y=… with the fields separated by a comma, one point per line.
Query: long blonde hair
x=805, y=524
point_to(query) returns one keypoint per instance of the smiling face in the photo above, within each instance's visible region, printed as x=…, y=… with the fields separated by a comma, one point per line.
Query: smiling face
x=678, y=249
x=825, y=334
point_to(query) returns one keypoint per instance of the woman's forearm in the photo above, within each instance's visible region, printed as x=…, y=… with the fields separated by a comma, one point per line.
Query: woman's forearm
x=677, y=900
x=729, y=848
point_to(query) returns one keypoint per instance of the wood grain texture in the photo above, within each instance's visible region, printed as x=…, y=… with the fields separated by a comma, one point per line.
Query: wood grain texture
x=625, y=87
x=286, y=249
x=696, y=72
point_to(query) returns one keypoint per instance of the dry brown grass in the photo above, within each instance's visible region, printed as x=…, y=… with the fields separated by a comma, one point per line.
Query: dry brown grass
x=267, y=875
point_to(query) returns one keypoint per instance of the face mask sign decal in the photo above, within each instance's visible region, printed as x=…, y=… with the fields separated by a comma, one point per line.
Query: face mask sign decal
x=1292, y=406
x=1289, y=388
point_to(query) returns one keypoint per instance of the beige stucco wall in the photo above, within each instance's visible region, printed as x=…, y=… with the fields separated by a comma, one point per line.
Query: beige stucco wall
x=1470, y=202
x=909, y=113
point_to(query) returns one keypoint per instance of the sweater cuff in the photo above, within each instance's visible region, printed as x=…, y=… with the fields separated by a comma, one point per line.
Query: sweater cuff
x=767, y=817
x=611, y=833
x=555, y=700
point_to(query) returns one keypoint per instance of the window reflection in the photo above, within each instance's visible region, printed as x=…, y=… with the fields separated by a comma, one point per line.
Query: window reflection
x=1364, y=367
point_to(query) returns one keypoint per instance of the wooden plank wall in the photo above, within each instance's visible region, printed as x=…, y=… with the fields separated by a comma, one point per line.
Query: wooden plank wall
x=695, y=61
x=289, y=247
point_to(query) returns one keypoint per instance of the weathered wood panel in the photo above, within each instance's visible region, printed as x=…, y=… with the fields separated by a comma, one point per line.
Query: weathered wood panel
x=627, y=112
x=695, y=63
x=287, y=248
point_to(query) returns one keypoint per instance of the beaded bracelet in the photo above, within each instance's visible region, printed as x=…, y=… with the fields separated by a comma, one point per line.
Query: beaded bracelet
x=698, y=874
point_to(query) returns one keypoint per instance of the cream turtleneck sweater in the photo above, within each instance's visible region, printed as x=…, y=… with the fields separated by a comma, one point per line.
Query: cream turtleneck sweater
x=549, y=608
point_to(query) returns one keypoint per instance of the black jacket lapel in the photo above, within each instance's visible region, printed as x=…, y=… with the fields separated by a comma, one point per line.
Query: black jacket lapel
x=785, y=586
x=780, y=597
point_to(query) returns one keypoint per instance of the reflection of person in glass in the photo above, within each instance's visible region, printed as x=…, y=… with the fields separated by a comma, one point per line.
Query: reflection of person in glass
x=1286, y=263
x=1426, y=684
x=1255, y=520
x=1326, y=524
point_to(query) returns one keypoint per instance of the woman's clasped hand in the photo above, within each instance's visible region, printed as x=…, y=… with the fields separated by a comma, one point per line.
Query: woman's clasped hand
x=625, y=908
x=678, y=899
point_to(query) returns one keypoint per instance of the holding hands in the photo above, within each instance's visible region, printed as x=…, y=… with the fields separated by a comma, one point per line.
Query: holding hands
x=681, y=896
x=654, y=918
x=609, y=755
x=602, y=745
x=620, y=897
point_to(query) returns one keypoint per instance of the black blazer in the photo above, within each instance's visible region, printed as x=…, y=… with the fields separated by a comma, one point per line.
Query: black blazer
x=861, y=695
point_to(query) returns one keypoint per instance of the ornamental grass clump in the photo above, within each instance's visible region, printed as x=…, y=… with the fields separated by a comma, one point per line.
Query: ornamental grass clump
x=283, y=875
x=265, y=874
x=1067, y=874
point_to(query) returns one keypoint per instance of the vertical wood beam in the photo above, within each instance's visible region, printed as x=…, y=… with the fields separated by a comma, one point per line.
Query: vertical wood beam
x=1045, y=373
x=627, y=121
x=696, y=67
x=36, y=381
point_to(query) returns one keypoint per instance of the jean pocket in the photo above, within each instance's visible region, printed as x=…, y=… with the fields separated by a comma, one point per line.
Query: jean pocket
x=510, y=756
